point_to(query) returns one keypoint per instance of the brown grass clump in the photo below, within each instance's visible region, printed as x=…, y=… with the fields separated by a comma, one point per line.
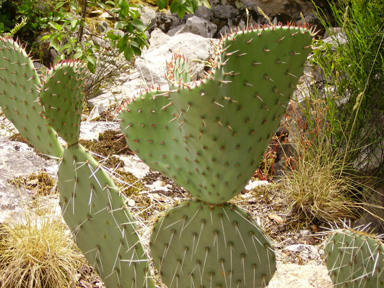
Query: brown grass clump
x=318, y=193
x=37, y=252
x=317, y=183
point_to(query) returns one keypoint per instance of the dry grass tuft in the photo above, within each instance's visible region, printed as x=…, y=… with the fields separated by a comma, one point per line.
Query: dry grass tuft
x=318, y=193
x=318, y=188
x=37, y=252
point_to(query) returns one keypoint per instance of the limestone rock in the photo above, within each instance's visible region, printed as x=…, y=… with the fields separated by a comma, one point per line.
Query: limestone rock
x=152, y=65
x=18, y=159
x=196, y=26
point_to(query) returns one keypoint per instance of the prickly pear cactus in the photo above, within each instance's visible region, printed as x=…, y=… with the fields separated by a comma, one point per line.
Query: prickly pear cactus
x=201, y=245
x=91, y=204
x=209, y=136
x=355, y=259
x=62, y=97
x=103, y=227
x=19, y=98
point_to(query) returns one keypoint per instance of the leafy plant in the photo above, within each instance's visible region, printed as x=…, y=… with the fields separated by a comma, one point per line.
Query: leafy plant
x=353, y=69
x=182, y=6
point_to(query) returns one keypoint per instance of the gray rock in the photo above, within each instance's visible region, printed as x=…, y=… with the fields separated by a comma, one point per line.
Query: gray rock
x=147, y=15
x=225, y=11
x=18, y=159
x=101, y=42
x=102, y=26
x=277, y=7
x=204, y=13
x=196, y=26
x=91, y=130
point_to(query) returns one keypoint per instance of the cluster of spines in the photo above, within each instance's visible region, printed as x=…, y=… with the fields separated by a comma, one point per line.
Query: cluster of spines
x=355, y=259
x=197, y=244
x=104, y=229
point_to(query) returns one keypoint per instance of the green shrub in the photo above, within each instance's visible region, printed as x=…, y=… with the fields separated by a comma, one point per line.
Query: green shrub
x=353, y=66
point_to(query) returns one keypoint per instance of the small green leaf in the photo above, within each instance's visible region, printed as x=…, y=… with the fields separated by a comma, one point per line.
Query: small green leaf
x=124, y=8
x=45, y=37
x=128, y=53
x=91, y=67
x=139, y=25
x=74, y=23
x=55, y=26
x=78, y=55
x=121, y=44
x=181, y=12
x=162, y=3
x=91, y=59
x=59, y=5
x=101, y=5
x=113, y=36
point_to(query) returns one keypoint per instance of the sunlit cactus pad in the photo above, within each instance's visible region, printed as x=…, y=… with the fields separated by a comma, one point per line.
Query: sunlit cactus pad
x=210, y=135
x=103, y=227
x=62, y=97
x=355, y=259
x=200, y=245
x=19, y=93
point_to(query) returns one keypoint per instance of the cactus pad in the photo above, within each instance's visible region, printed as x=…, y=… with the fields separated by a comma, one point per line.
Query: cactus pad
x=200, y=245
x=354, y=259
x=62, y=98
x=19, y=85
x=211, y=134
x=103, y=227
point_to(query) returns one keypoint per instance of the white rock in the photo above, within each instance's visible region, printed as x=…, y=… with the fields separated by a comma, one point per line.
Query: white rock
x=196, y=26
x=253, y=184
x=152, y=65
x=134, y=165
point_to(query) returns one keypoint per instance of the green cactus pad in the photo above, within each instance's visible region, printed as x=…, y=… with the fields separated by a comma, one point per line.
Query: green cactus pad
x=103, y=227
x=19, y=84
x=222, y=124
x=355, y=259
x=62, y=97
x=200, y=245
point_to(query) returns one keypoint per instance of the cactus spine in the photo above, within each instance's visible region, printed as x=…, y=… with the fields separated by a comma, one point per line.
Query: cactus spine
x=208, y=136
x=355, y=259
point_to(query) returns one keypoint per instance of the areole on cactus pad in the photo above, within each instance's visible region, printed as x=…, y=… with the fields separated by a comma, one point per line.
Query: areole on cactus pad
x=209, y=135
